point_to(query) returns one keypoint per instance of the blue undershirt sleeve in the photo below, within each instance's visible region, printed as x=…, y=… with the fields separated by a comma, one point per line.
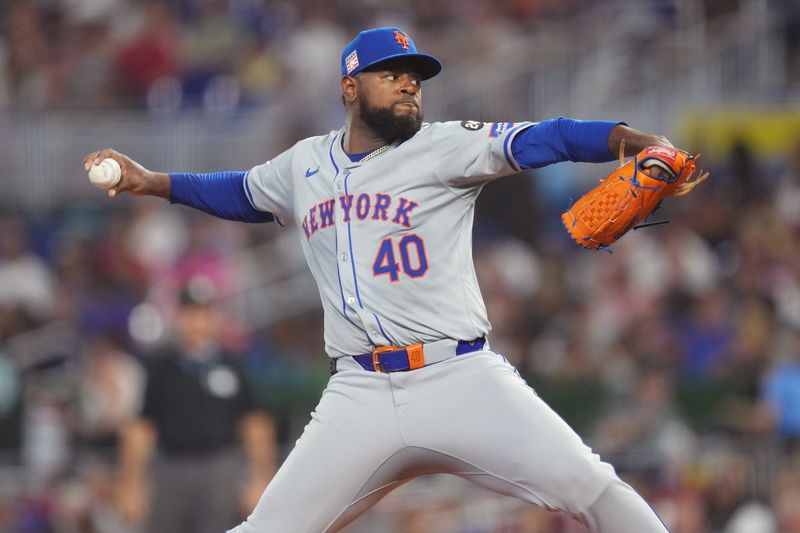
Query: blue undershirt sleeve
x=221, y=194
x=563, y=139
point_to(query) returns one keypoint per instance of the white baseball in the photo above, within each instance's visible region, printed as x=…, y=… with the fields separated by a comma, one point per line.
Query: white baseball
x=106, y=174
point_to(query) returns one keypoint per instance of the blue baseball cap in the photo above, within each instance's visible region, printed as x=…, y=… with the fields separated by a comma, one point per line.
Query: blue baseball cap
x=381, y=44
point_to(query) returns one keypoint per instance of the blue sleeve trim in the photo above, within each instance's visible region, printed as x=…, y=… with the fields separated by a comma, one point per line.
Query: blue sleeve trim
x=512, y=135
x=221, y=194
x=563, y=139
x=248, y=191
x=253, y=202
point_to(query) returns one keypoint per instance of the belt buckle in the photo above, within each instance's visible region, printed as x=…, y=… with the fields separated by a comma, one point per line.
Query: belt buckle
x=415, y=354
x=376, y=363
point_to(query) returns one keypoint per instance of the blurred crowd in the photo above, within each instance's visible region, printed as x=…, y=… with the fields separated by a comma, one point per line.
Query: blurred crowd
x=677, y=356
x=100, y=53
x=166, y=54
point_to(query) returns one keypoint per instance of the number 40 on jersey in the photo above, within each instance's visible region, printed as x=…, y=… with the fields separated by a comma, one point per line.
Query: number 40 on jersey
x=413, y=260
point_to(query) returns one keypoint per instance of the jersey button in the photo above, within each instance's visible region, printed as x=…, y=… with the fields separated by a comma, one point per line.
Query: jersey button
x=351, y=301
x=344, y=258
x=339, y=185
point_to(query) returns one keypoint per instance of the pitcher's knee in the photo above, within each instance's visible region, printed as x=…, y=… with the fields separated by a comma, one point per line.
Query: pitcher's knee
x=584, y=492
x=620, y=509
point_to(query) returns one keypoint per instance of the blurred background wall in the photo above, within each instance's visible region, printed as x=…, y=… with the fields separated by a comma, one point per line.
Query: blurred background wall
x=677, y=357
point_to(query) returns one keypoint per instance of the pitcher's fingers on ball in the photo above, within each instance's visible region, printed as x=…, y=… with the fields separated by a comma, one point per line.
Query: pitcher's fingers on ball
x=114, y=191
x=88, y=161
x=105, y=153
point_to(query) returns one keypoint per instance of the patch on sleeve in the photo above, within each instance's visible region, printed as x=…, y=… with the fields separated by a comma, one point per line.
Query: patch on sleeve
x=499, y=128
x=472, y=125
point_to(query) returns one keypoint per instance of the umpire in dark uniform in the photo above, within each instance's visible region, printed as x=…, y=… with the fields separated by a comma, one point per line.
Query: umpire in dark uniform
x=197, y=409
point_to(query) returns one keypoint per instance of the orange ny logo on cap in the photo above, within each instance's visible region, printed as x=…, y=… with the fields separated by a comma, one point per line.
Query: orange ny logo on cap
x=402, y=39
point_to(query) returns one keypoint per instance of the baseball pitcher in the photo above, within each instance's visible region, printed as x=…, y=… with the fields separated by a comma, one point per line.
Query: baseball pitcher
x=383, y=209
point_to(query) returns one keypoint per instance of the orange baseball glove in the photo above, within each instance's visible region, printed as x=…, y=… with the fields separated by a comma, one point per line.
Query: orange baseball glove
x=629, y=194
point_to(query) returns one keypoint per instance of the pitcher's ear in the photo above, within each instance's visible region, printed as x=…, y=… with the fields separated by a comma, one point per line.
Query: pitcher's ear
x=349, y=89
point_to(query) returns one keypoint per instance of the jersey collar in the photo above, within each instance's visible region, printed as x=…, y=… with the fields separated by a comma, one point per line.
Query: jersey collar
x=341, y=158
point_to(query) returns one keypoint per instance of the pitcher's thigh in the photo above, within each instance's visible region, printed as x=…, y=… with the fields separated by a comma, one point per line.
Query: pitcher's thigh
x=488, y=417
x=350, y=436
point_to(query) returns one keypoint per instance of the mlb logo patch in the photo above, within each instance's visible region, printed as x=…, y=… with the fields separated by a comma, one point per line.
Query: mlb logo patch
x=351, y=62
x=499, y=128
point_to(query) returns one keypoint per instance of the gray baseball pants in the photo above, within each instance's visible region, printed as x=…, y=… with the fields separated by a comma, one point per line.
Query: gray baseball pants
x=472, y=416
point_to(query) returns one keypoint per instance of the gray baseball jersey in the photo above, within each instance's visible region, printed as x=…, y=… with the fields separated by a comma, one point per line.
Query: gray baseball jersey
x=389, y=240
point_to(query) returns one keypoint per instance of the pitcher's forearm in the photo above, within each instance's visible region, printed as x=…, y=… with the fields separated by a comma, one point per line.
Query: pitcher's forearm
x=142, y=182
x=157, y=184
